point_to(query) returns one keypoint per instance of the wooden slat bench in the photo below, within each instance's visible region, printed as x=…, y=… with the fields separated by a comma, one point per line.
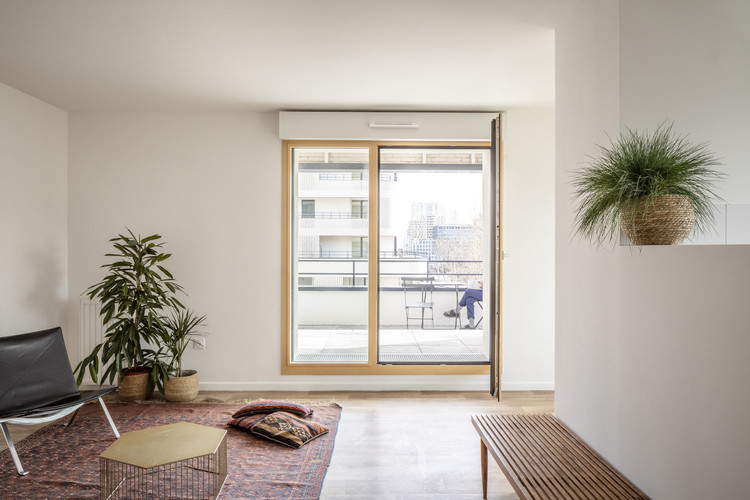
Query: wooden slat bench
x=543, y=459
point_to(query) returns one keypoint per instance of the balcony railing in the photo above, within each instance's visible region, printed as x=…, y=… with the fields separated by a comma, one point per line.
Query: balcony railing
x=333, y=215
x=333, y=292
x=349, y=176
x=343, y=226
x=341, y=270
x=337, y=184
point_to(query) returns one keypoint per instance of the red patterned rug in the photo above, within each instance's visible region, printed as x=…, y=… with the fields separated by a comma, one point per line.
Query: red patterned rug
x=64, y=462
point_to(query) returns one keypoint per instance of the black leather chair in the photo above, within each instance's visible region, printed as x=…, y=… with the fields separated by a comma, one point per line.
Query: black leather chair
x=37, y=384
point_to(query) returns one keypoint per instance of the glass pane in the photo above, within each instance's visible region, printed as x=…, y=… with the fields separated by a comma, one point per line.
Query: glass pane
x=329, y=255
x=432, y=249
x=308, y=209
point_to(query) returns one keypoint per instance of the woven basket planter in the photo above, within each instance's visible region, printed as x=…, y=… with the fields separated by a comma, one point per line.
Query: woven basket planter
x=182, y=389
x=664, y=220
x=135, y=386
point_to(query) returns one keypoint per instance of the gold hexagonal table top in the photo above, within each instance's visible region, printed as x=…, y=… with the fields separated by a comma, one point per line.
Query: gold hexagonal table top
x=164, y=444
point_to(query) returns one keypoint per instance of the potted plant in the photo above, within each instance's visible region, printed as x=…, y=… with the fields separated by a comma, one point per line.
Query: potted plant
x=179, y=330
x=135, y=290
x=656, y=187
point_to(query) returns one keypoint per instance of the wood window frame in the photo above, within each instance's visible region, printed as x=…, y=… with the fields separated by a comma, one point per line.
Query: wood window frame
x=372, y=367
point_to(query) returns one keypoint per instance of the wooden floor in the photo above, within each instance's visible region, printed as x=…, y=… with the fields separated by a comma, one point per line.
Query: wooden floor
x=403, y=445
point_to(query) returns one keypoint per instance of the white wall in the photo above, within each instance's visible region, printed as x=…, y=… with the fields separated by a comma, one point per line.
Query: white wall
x=33, y=213
x=651, y=345
x=696, y=59
x=211, y=185
x=528, y=236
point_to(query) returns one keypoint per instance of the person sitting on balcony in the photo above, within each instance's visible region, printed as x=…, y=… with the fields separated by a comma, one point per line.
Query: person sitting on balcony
x=471, y=296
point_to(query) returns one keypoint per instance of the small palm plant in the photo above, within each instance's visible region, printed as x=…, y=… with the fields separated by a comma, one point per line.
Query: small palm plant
x=630, y=183
x=179, y=331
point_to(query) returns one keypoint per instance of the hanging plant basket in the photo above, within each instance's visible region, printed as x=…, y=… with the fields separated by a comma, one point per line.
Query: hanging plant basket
x=657, y=187
x=662, y=220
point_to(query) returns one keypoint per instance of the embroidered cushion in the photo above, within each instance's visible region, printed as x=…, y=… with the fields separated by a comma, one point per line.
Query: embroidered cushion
x=244, y=423
x=269, y=406
x=287, y=429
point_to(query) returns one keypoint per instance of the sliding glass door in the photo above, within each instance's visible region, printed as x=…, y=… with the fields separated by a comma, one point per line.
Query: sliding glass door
x=329, y=249
x=433, y=247
x=381, y=241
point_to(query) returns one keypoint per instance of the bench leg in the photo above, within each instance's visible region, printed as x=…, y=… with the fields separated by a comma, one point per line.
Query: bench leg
x=12, y=450
x=483, y=451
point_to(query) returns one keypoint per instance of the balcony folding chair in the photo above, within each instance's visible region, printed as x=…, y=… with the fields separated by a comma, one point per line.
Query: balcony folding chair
x=477, y=323
x=418, y=295
x=479, y=303
x=37, y=384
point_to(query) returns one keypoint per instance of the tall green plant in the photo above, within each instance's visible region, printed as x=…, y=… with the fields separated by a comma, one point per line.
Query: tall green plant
x=135, y=290
x=638, y=165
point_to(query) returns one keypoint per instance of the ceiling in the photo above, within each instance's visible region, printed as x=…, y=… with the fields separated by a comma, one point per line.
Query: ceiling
x=263, y=55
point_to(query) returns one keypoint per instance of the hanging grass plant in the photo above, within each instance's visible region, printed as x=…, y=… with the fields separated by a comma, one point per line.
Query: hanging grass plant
x=632, y=183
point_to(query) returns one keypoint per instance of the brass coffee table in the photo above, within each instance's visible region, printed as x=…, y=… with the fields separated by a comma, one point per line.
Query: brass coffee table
x=181, y=460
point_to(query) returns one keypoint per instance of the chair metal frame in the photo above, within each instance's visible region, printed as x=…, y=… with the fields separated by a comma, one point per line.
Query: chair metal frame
x=422, y=287
x=476, y=325
x=44, y=417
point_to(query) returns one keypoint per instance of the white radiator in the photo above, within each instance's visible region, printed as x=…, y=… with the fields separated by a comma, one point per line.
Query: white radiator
x=91, y=327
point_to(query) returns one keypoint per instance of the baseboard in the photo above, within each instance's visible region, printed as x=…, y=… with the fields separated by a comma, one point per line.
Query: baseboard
x=528, y=386
x=344, y=386
x=479, y=385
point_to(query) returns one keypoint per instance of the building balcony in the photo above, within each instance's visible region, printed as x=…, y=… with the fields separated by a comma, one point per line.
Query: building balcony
x=339, y=223
x=332, y=226
x=323, y=185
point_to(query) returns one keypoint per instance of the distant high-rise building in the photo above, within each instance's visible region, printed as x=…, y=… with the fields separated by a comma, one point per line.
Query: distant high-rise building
x=454, y=241
x=419, y=233
x=421, y=210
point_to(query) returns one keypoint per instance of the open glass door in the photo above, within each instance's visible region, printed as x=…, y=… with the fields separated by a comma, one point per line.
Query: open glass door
x=434, y=245
x=495, y=321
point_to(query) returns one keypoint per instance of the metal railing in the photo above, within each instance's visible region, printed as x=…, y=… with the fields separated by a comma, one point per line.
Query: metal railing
x=400, y=255
x=355, y=176
x=333, y=215
x=326, y=271
x=315, y=255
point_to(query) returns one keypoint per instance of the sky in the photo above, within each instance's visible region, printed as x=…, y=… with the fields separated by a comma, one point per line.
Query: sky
x=459, y=193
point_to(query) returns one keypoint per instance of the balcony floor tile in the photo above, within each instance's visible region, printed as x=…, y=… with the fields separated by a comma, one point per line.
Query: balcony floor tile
x=347, y=341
